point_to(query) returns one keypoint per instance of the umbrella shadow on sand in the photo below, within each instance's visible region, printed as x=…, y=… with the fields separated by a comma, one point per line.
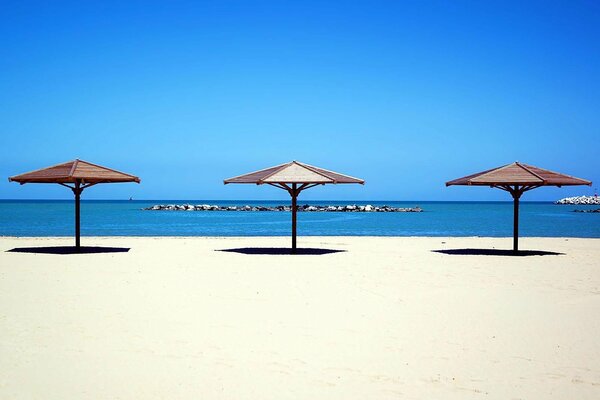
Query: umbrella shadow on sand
x=281, y=251
x=65, y=250
x=497, y=252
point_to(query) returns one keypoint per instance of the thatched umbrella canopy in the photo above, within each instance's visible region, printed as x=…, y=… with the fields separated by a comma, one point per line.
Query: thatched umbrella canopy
x=294, y=177
x=76, y=175
x=517, y=178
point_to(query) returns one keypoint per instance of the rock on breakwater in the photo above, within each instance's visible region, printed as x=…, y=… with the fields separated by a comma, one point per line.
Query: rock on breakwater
x=306, y=208
x=580, y=200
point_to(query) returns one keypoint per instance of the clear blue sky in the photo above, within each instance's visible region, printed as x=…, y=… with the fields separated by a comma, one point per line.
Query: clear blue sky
x=405, y=95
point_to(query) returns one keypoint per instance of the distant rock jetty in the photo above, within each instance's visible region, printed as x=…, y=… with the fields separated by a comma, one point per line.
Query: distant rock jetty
x=597, y=210
x=306, y=208
x=580, y=200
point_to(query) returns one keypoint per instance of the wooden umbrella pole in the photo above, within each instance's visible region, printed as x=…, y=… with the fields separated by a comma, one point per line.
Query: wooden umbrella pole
x=294, y=193
x=516, y=193
x=77, y=190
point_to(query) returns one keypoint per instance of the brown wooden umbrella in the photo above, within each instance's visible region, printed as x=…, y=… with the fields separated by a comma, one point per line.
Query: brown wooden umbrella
x=76, y=175
x=300, y=176
x=518, y=178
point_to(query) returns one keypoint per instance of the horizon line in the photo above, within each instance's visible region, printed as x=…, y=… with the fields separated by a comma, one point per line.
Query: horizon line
x=279, y=200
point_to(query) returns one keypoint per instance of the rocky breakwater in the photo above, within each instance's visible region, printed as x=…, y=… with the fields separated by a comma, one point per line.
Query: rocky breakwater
x=580, y=200
x=303, y=208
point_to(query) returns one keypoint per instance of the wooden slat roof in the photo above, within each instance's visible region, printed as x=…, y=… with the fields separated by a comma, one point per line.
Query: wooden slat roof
x=72, y=172
x=294, y=172
x=519, y=174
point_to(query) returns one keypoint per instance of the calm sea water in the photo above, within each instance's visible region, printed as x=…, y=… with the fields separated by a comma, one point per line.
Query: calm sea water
x=125, y=218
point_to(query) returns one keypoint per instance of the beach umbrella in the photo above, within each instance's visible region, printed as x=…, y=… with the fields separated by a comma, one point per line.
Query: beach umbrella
x=76, y=175
x=518, y=178
x=294, y=177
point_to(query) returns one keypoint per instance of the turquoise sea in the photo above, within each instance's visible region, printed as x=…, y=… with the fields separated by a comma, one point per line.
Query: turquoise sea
x=126, y=218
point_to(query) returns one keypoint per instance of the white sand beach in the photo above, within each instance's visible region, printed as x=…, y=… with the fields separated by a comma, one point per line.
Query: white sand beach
x=385, y=318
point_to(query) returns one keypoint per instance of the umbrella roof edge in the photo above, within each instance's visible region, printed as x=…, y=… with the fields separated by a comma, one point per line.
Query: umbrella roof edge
x=540, y=181
x=14, y=177
x=228, y=180
x=318, y=171
x=277, y=168
x=136, y=179
x=75, y=163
